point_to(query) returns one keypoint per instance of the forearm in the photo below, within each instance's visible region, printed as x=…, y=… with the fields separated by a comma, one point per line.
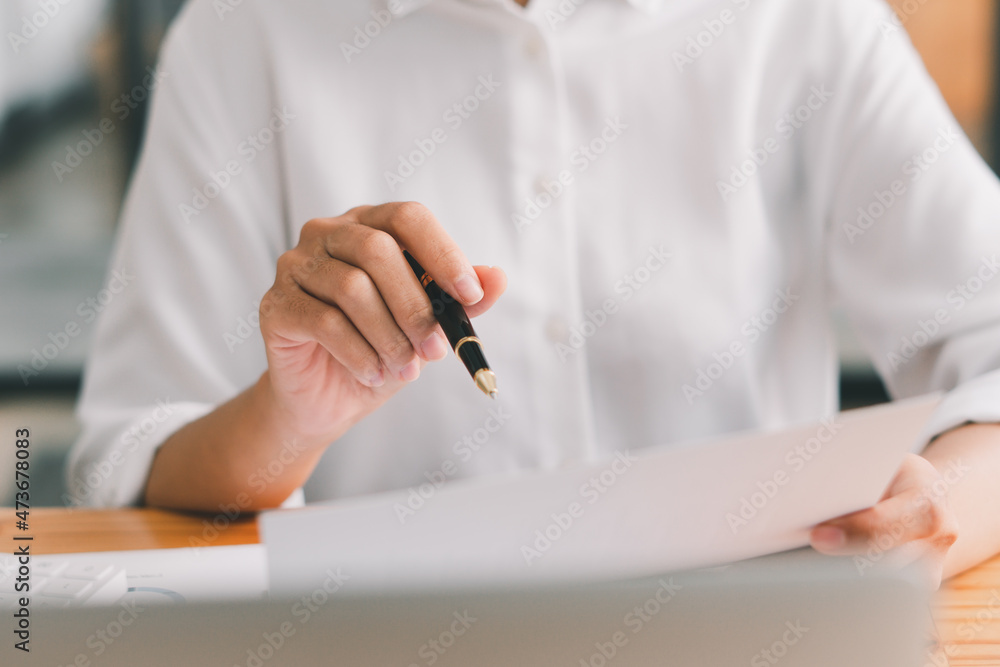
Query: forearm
x=969, y=459
x=241, y=447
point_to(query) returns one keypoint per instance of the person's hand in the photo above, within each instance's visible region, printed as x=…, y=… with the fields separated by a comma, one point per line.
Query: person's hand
x=347, y=324
x=912, y=522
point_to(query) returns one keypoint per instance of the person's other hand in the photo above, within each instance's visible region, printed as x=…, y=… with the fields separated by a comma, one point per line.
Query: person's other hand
x=912, y=522
x=347, y=324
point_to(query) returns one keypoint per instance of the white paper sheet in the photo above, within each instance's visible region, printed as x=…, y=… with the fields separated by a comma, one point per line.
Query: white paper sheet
x=649, y=511
x=197, y=574
x=170, y=576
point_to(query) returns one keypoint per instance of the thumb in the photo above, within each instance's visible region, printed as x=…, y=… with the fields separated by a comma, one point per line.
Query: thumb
x=494, y=282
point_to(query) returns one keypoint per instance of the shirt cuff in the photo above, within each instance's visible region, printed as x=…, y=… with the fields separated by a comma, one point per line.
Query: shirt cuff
x=115, y=475
x=975, y=401
x=297, y=499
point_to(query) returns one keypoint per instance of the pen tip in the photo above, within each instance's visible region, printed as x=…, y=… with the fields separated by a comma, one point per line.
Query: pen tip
x=487, y=382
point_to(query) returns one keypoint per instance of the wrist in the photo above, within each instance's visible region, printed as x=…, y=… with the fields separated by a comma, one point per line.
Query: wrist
x=282, y=423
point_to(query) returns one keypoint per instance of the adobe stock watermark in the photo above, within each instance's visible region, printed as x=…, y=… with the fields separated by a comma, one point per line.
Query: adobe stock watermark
x=246, y=152
x=968, y=631
x=258, y=482
x=103, y=638
x=435, y=647
x=32, y=24
x=454, y=117
x=881, y=544
x=698, y=44
x=926, y=331
x=86, y=311
x=796, y=460
x=590, y=492
x=629, y=285
x=224, y=8
x=561, y=13
x=581, y=159
x=637, y=619
x=904, y=11
x=786, y=127
x=246, y=326
x=302, y=610
x=779, y=648
x=464, y=451
x=914, y=168
x=121, y=108
x=82, y=487
x=751, y=330
x=365, y=34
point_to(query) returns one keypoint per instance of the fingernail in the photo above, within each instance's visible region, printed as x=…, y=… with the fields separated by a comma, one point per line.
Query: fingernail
x=434, y=347
x=376, y=380
x=469, y=289
x=410, y=372
x=828, y=537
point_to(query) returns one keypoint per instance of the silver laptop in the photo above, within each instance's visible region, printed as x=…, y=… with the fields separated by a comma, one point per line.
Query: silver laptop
x=797, y=609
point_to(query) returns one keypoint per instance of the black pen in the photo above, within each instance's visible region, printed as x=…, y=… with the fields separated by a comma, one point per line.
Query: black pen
x=456, y=326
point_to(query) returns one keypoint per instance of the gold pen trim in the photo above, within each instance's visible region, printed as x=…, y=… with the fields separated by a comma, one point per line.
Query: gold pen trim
x=486, y=380
x=465, y=340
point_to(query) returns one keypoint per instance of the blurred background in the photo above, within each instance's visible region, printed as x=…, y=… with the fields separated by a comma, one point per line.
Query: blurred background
x=75, y=78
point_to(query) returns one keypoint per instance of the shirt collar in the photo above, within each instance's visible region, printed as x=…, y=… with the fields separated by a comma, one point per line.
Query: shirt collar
x=400, y=8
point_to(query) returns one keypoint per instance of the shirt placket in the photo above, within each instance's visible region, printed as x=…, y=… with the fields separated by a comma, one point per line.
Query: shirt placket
x=545, y=238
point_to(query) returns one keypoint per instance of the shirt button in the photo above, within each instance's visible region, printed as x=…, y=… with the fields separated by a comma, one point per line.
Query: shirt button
x=556, y=330
x=534, y=47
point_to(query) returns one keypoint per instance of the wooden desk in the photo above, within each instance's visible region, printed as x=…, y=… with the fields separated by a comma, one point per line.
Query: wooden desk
x=63, y=531
x=967, y=608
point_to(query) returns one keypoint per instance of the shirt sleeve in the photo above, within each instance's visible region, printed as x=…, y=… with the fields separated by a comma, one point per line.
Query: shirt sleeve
x=200, y=233
x=912, y=231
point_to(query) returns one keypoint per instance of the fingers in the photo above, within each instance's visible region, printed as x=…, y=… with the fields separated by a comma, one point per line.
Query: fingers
x=417, y=230
x=354, y=291
x=892, y=522
x=290, y=317
x=388, y=280
x=914, y=473
x=354, y=270
x=378, y=253
x=911, y=511
x=494, y=282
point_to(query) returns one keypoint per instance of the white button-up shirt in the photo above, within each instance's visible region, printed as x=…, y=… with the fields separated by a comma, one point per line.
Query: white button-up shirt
x=678, y=190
